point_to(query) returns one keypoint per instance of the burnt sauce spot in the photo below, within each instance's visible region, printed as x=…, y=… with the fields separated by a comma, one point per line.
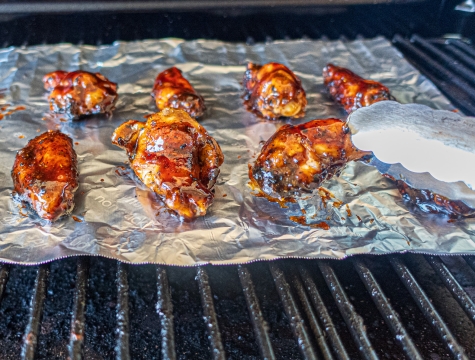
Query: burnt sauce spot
x=303, y=221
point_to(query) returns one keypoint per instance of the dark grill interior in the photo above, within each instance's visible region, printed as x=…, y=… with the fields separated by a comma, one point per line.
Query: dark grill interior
x=411, y=306
x=387, y=307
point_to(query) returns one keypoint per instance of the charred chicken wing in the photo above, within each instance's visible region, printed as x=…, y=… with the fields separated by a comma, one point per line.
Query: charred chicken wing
x=80, y=93
x=273, y=91
x=175, y=157
x=352, y=91
x=45, y=175
x=297, y=159
x=172, y=90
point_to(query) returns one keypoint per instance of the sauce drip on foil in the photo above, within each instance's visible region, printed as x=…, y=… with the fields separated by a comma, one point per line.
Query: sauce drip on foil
x=8, y=109
x=430, y=202
x=303, y=221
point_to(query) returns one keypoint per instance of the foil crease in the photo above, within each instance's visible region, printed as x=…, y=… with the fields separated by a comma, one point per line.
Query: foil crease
x=117, y=217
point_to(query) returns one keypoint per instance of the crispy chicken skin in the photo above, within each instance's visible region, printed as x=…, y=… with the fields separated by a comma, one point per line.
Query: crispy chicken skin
x=297, y=159
x=45, y=175
x=172, y=90
x=80, y=93
x=174, y=156
x=273, y=91
x=352, y=91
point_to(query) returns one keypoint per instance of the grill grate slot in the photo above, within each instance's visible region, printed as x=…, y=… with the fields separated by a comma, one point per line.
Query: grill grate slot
x=449, y=62
x=76, y=341
x=165, y=311
x=463, y=95
x=391, y=317
x=30, y=338
x=453, y=285
x=459, y=54
x=260, y=325
x=470, y=261
x=323, y=314
x=210, y=317
x=312, y=319
x=427, y=308
x=463, y=46
x=122, y=346
x=293, y=314
x=4, y=272
x=353, y=320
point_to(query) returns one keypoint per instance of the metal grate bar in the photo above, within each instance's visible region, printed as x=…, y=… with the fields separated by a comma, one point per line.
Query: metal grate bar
x=307, y=307
x=463, y=46
x=322, y=312
x=122, y=345
x=453, y=285
x=292, y=312
x=4, y=272
x=391, y=317
x=470, y=260
x=260, y=326
x=165, y=311
x=456, y=67
x=429, y=311
x=210, y=317
x=468, y=60
x=461, y=85
x=76, y=341
x=30, y=338
x=353, y=320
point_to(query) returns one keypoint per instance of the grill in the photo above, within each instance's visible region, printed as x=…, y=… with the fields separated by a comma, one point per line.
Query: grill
x=413, y=306
x=385, y=307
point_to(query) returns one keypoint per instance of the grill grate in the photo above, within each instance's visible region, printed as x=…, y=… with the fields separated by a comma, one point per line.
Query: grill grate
x=165, y=310
x=313, y=325
x=260, y=325
x=445, y=68
x=36, y=308
x=76, y=340
x=428, y=309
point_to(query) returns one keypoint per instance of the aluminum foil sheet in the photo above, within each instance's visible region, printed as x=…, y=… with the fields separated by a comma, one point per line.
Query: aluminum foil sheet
x=116, y=217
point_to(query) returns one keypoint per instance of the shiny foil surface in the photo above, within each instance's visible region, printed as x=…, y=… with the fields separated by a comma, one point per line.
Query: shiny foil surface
x=116, y=216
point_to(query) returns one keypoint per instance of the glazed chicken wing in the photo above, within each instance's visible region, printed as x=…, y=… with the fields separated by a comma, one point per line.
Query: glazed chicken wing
x=172, y=90
x=352, y=91
x=297, y=159
x=80, y=93
x=175, y=157
x=45, y=175
x=273, y=91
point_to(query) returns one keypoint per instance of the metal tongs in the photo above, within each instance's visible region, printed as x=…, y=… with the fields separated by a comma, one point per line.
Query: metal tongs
x=428, y=149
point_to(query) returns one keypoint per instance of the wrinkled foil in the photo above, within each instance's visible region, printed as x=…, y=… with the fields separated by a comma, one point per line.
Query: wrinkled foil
x=117, y=217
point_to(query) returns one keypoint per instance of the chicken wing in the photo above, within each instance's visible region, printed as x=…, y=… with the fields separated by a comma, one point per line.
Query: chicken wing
x=80, y=93
x=45, y=175
x=172, y=90
x=174, y=156
x=273, y=91
x=297, y=159
x=352, y=91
